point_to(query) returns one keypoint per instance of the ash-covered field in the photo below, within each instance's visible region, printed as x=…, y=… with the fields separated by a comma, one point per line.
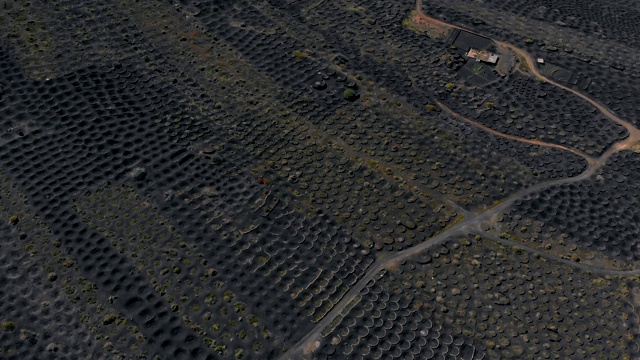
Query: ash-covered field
x=310, y=179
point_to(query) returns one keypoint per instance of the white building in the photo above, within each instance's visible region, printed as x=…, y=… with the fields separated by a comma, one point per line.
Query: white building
x=482, y=55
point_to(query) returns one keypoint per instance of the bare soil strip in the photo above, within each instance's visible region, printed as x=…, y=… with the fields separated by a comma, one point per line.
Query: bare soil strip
x=448, y=110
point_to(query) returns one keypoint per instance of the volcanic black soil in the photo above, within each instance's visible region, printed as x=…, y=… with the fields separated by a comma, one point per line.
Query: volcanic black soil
x=318, y=180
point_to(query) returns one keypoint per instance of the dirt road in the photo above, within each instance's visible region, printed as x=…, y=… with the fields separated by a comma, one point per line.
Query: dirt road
x=590, y=160
x=471, y=222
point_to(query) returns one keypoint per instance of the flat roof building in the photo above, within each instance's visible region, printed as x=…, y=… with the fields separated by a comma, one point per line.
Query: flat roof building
x=482, y=55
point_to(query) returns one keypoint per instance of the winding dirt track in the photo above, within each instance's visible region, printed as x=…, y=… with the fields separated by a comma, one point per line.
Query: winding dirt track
x=590, y=160
x=469, y=225
x=634, y=133
x=471, y=222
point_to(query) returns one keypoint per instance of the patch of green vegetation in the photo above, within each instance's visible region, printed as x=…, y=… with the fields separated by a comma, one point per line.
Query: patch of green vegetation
x=30, y=248
x=256, y=346
x=108, y=319
x=87, y=286
x=253, y=320
x=66, y=262
x=350, y=94
x=299, y=55
x=523, y=65
x=220, y=349
x=489, y=105
x=265, y=333
x=449, y=86
x=228, y=296
x=599, y=281
x=211, y=299
x=430, y=108
x=239, y=353
x=14, y=219
x=208, y=342
x=355, y=8
x=7, y=326
x=239, y=308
